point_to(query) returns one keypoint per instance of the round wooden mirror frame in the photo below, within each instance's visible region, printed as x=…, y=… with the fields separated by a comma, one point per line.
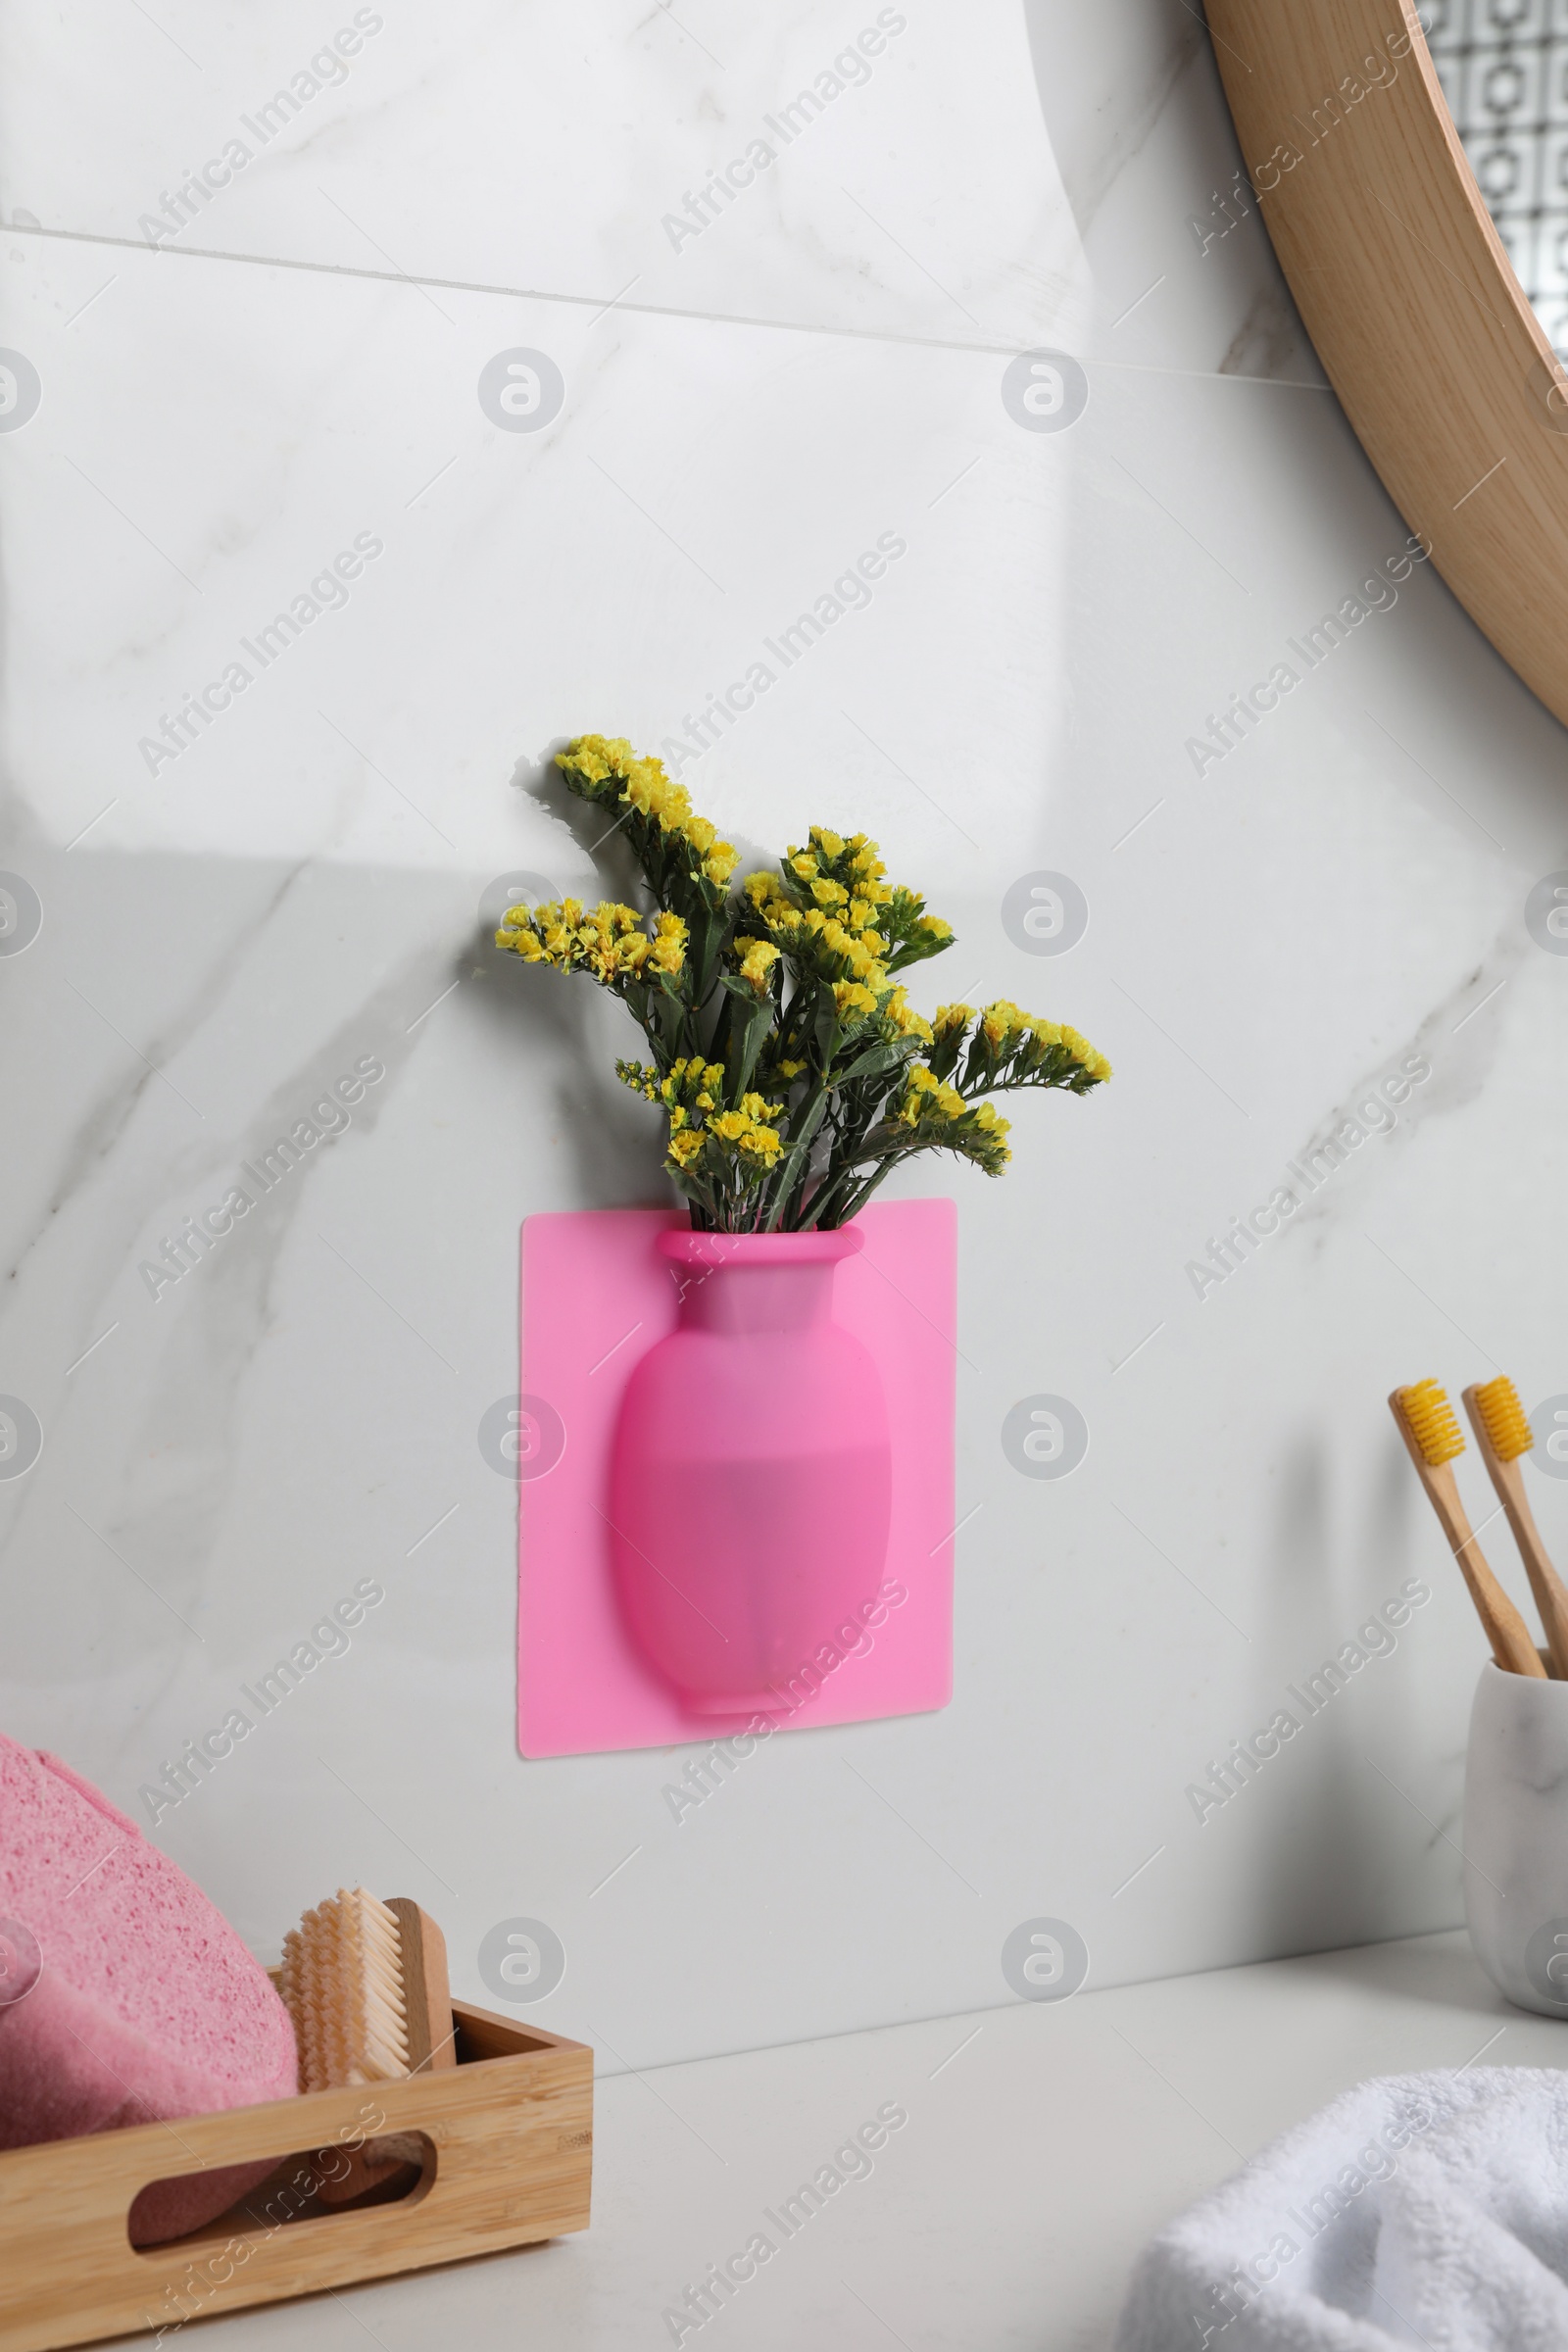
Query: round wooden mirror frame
x=1405, y=287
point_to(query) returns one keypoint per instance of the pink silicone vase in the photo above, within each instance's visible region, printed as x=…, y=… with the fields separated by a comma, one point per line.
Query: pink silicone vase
x=751, y=1479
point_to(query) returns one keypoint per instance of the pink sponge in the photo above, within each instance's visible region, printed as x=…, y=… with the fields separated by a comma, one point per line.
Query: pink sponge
x=146, y=2005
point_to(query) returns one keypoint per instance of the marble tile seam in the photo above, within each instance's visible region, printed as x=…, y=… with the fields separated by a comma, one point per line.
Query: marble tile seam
x=457, y=285
x=646, y=310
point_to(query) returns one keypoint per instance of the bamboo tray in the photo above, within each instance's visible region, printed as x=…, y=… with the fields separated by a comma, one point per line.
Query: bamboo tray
x=506, y=2158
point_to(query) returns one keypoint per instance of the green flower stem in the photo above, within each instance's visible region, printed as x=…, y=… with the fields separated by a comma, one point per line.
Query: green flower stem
x=857, y=1199
x=792, y=1169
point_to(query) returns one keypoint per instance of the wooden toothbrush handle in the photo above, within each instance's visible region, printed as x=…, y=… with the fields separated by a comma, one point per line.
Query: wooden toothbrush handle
x=1551, y=1597
x=1505, y=1628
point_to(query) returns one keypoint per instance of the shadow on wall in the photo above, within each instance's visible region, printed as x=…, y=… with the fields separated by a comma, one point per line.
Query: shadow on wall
x=163, y=1215
x=616, y=1141
x=1325, y=1879
x=1106, y=77
x=1104, y=73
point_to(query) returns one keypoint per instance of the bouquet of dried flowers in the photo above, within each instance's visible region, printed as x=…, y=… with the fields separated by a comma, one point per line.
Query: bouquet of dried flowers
x=792, y=1070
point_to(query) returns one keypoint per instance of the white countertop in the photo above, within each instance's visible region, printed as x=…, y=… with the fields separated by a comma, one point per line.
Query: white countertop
x=1043, y=2145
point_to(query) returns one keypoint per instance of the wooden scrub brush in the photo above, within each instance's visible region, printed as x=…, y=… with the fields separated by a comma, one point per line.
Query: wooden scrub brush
x=366, y=1984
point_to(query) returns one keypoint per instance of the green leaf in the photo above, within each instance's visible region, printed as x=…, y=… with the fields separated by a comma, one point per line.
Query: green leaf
x=918, y=950
x=876, y=1059
x=745, y=1044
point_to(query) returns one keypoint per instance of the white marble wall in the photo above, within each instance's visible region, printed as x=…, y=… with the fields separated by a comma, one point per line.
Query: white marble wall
x=225, y=409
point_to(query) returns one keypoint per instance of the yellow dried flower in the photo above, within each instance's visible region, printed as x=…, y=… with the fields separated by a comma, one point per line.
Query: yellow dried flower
x=897, y=1010
x=521, y=939
x=1084, y=1052
x=822, y=915
x=756, y=963
x=668, y=948
x=851, y=997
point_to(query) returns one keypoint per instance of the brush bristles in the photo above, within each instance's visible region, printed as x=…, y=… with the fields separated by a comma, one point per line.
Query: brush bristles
x=342, y=1984
x=1429, y=1417
x=1503, y=1417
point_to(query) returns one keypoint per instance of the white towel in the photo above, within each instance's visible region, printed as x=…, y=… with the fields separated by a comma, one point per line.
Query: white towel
x=1421, y=2209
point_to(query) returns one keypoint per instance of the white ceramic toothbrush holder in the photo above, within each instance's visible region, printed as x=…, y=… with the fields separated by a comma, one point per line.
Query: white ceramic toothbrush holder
x=1516, y=1837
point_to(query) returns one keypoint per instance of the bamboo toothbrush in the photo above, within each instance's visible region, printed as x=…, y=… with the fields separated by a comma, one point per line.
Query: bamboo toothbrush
x=366, y=1984
x=1504, y=1436
x=1434, y=1438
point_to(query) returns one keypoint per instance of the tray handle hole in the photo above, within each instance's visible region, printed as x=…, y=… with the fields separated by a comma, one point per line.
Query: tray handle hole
x=311, y=2185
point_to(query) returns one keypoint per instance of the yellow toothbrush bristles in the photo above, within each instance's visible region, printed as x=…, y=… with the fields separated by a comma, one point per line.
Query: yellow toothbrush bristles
x=1503, y=1418
x=1429, y=1418
x=342, y=1984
